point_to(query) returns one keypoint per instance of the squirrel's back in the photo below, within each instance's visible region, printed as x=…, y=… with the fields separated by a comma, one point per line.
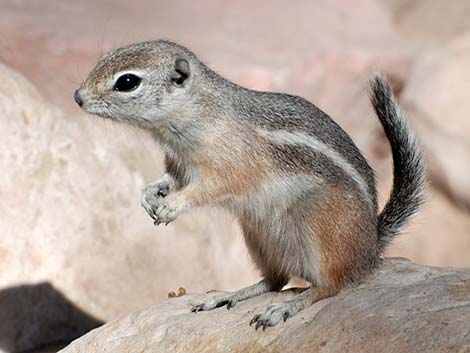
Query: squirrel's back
x=296, y=121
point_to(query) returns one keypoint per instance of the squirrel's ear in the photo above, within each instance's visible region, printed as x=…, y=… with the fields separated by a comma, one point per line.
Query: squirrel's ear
x=180, y=72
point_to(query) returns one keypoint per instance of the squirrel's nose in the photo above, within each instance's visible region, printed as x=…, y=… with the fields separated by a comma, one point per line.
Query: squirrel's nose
x=78, y=98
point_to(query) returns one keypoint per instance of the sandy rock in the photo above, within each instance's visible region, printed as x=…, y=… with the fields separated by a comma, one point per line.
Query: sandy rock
x=404, y=307
x=436, y=97
x=71, y=217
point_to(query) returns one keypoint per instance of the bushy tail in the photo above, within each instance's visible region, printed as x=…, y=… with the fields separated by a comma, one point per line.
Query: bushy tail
x=409, y=172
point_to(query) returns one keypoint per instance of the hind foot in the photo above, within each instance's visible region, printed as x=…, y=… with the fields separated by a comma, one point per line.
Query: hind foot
x=229, y=299
x=274, y=313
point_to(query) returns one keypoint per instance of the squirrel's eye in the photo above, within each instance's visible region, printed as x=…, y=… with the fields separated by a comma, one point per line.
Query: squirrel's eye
x=127, y=83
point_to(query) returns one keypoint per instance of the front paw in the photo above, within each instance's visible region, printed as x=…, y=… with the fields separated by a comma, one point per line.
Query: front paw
x=166, y=212
x=151, y=194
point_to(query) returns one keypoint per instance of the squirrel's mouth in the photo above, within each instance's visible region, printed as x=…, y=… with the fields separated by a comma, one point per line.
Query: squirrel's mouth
x=98, y=108
x=104, y=116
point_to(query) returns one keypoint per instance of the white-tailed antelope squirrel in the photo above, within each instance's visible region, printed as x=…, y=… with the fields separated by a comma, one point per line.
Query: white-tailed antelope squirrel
x=303, y=193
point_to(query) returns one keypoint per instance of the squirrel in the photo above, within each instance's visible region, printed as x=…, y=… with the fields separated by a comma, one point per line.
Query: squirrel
x=303, y=193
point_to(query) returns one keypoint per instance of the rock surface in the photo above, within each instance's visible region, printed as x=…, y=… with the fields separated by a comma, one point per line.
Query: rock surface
x=402, y=308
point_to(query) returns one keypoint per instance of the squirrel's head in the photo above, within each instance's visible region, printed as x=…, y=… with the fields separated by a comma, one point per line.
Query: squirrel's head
x=142, y=84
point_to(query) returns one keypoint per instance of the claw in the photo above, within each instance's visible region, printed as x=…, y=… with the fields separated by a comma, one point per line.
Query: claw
x=255, y=318
x=160, y=210
x=197, y=308
x=230, y=304
x=258, y=324
x=221, y=303
x=285, y=316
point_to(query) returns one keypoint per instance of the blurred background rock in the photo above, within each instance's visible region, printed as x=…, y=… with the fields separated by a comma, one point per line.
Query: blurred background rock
x=70, y=184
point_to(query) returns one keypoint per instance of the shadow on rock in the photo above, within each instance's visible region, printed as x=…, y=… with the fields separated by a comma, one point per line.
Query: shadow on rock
x=34, y=316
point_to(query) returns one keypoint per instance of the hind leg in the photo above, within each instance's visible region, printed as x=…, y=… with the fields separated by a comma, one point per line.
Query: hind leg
x=276, y=312
x=231, y=299
x=345, y=237
x=273, y=281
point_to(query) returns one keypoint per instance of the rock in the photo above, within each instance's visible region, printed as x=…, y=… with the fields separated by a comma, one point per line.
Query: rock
x=403, y=308
x=71, y=218
x=424, y=24
x=436, y=98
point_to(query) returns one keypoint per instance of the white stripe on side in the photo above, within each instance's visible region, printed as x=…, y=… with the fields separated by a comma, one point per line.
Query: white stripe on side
x=297, y=138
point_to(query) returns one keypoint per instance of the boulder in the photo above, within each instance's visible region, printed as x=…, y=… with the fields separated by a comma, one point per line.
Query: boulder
x=404, y=307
